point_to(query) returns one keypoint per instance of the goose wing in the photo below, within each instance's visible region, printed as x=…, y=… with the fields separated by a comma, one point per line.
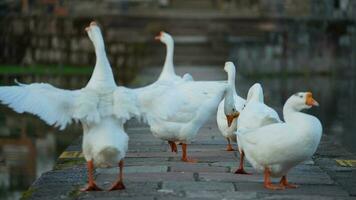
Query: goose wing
x=51, y=104
x=125, y=103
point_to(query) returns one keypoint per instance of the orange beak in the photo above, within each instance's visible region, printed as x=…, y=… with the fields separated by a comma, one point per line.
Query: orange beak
x=158, y=37
x=310, y=101
x=230, y=118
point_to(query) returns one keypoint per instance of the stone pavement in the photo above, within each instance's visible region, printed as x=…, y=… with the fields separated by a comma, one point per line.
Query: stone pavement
x=153, y=172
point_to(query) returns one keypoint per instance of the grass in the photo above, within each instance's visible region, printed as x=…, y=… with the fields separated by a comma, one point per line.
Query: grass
x=44, y=70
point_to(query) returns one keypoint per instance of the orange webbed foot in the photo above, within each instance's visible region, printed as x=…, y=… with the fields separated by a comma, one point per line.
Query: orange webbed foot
x=285, y=183
x=91, y=187
x=229, y=148
x=119, y=185
x=274, y=187
x=189, y=160
x=290, y=186
x=242, y=171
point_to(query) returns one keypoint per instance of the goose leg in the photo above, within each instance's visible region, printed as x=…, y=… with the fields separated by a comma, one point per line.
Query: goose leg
x=173, y=146
x=119, y=185
x=241, y=169
x=229, y=146
x=185, y=158
x=91, y=183
x=285, y=183
x=267, y=181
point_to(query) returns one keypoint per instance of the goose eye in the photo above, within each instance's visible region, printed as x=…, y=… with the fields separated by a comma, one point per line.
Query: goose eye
x=301, y=96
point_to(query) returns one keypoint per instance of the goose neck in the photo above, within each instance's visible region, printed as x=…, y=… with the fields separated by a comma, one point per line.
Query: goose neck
x=168, y=63
x=102, y=75
x=231, y=80
x=289, y=111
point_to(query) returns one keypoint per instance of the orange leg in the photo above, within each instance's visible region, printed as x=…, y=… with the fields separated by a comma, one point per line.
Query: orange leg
x=229, y=146
x=241, y=169
x=91, y=183
x=184, y=155
x=119, y=185
x=173, y=146
x=267, y=182
x=285, y=183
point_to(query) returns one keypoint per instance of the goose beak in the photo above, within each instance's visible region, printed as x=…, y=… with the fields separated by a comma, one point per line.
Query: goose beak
x=230, y=118
x=310, y=101
x=158, y=37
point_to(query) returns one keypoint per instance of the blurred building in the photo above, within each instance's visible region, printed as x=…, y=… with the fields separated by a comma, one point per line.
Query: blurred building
x=265, y=36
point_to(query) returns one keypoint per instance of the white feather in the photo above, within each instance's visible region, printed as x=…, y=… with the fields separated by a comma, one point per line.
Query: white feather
x=54, y=106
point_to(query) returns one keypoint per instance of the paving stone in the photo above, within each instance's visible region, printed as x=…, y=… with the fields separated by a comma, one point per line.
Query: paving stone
x=199, y=167
x=197, y=186
x=153, y=172
x=151, y=177
x=133, y=169
x=221, y=195
x=328, y=190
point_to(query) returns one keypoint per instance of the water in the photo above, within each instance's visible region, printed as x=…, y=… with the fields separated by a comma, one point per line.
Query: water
x=28, y=147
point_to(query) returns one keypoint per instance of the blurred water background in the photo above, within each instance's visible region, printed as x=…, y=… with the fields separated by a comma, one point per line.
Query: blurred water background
x=286, y=45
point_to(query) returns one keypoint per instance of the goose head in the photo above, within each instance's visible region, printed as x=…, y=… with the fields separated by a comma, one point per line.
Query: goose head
x=255, y=93
x=229, y=107
x=95, y=35
x=230, y=112
x=165, y=38
x=229, y=67
x=301, y=101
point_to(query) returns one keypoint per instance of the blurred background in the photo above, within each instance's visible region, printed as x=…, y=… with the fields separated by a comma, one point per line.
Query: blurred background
x=286, y=45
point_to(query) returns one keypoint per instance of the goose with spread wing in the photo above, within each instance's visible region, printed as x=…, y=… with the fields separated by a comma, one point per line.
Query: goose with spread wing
x=101, y=106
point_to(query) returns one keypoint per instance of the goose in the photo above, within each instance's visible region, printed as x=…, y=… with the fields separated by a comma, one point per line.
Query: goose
x=227, y=126
x=101, y=106
x=175, y=112
x=255, y=114
x=168, y=72
x=276, y=148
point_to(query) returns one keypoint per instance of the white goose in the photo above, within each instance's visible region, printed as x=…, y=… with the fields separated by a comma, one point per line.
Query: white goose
x=254, y=115
x=274, y=149
x=168, y=72
x=175, y=112
x=101, y=107
x=227, y=126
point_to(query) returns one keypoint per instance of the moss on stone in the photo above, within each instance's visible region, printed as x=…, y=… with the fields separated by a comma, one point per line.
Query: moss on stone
x=28, y=193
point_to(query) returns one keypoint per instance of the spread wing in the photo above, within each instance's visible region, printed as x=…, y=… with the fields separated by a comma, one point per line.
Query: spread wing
x=51, y=104
x=125, y=103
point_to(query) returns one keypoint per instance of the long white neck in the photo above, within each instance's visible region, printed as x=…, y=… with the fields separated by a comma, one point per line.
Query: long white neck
x=102, y=76
x=231, y=77
x=291, y=111
x=168, y=67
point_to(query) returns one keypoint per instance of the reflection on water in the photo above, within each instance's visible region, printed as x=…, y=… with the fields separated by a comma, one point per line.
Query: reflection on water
x=28, y=147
